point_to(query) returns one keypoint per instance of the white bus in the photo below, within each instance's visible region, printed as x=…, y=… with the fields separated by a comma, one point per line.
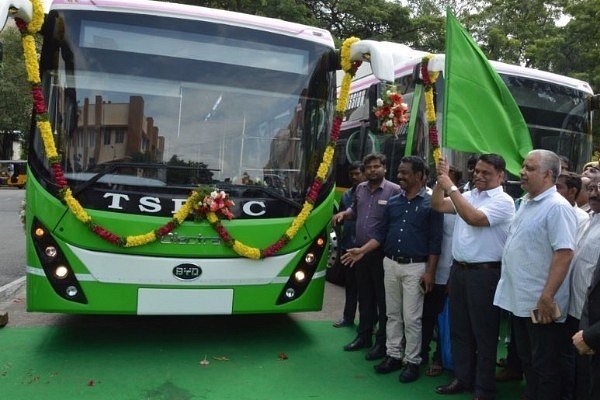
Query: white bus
x=555, y=108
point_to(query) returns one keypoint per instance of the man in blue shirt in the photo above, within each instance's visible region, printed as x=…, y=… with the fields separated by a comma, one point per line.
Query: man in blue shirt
x=411, y=237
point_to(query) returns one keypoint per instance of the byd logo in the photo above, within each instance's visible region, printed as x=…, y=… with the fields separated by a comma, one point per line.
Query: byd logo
x=187, y=272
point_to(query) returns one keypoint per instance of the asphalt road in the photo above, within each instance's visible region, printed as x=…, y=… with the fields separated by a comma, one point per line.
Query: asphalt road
x=12, y=247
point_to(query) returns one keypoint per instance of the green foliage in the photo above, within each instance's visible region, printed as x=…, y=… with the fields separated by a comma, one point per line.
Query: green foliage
x=15, y=98
x=187, y=172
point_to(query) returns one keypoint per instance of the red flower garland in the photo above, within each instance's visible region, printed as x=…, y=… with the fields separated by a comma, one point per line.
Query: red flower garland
x=433, y=131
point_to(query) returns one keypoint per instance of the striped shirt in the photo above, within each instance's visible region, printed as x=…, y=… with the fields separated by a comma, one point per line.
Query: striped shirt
x=583, y=264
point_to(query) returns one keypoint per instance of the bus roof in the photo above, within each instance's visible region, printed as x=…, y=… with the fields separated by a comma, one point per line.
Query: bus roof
x=365, y=78
x=201, y=13
x=509, y=69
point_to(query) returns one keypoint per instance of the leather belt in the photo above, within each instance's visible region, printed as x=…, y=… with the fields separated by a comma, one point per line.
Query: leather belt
x=407, y=260
x=478, y=265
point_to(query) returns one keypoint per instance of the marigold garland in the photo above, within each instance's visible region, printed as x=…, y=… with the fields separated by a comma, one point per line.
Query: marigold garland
x=45, y=129
x=429, y=79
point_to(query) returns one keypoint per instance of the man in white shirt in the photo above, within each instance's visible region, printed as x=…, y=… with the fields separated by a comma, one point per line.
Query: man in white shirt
x=535, y=264
x=484, y=214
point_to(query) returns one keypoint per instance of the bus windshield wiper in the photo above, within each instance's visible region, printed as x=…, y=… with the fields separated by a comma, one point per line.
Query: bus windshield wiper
x=268, y=191
x=111, y=167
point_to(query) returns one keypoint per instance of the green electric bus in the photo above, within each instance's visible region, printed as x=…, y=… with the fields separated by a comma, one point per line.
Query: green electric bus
x=149, y=102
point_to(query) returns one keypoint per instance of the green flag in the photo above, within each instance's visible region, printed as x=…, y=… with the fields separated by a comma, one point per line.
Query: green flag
x=480, y=114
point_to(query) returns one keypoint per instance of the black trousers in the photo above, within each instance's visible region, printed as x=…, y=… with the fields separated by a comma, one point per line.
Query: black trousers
x=433, y=303
x=540, y=347
x=371, y=295
x=351, y=302
x=474, y=327
x=594, y=392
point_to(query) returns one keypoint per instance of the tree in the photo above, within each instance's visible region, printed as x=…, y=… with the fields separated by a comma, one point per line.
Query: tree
x=289, y=10
x=15, y=97
x=513, y=31
x=576, y=52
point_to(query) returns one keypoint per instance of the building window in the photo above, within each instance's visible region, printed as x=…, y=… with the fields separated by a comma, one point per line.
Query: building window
x=91, y=137
x=106, y=136
x=120, y=135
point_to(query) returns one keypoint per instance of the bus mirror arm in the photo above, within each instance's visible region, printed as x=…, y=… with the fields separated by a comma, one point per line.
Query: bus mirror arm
x=593, y=102
x=15, y=9
x=383, y=56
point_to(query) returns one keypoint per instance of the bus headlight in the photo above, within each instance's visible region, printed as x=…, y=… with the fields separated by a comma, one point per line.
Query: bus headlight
x=72, y=291
x=61, y=272
x=50, y=251
x=58, y=272
x=310, y=258
x=302, y=275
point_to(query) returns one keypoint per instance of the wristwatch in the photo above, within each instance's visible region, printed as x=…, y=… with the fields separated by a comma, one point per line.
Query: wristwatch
x=452, y=189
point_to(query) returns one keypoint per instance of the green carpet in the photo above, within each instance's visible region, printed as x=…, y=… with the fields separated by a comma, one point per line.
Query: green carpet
x=154, y=358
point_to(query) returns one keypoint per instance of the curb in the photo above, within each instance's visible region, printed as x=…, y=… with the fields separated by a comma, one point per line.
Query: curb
x=11, y=288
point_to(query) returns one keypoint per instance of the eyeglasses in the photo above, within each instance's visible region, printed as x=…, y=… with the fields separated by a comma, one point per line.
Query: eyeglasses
x=593, y=186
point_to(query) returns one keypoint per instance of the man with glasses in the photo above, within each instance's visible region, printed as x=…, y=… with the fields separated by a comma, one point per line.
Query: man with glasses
x=469, y=184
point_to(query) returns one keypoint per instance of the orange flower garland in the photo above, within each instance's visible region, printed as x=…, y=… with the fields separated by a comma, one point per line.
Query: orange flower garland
x=210, y=207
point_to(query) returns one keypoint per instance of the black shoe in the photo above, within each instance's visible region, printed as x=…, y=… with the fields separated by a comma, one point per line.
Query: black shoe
x=389, y=364
x=453, y=387
x=410, y=373
x=376, y=353
x=357, y=344
x=342, y=323
x=509, y=374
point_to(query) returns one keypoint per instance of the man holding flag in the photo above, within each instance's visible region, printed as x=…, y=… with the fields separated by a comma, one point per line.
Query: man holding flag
x=479, y=116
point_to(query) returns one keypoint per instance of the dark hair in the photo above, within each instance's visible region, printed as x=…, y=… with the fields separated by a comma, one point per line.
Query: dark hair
x=566, y=160
x=572, y=180
x=416, y=162
x=472, y=161
x=356, y=165
x=494, y=160
x=375, y=157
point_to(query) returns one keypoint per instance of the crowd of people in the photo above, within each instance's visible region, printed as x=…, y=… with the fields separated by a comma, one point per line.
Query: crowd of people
x=532, y=262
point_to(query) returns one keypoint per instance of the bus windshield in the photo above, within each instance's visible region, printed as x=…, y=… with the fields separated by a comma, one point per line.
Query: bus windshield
x=556, y=116
x=155, y=104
